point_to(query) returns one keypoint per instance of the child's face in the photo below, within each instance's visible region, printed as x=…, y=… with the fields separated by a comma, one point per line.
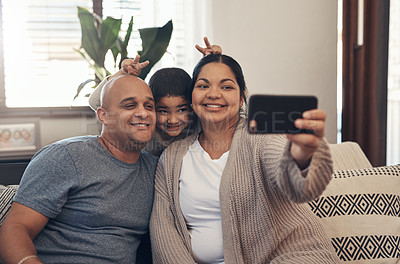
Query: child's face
x=173, y=114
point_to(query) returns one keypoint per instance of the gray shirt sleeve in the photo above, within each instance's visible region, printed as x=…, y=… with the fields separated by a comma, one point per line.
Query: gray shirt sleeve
x=47, y=180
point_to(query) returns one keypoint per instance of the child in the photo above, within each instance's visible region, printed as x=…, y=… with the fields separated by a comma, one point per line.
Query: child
x=174, y=113
x=169, y=87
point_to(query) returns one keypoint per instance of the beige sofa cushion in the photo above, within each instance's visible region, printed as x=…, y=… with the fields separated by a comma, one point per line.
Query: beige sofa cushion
x=348, y=155
x=360, y=210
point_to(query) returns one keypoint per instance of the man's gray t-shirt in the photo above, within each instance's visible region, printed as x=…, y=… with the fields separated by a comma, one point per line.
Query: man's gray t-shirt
x=98, y=206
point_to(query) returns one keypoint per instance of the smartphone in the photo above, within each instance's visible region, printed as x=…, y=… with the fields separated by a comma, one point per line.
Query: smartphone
x=277, y=113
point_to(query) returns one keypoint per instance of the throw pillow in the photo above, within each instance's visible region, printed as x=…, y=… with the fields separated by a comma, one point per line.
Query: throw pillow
x=6, y=196
x=361, y=212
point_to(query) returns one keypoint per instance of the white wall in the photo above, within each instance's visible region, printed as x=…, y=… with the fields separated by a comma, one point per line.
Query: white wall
x=53, y=129
x=283, y=46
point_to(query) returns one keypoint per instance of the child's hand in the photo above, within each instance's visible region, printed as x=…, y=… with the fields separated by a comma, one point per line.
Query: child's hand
x=209, y=49
x=304, y=145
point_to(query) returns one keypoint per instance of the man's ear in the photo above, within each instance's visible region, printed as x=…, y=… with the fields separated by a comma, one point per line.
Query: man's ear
x=102, y=115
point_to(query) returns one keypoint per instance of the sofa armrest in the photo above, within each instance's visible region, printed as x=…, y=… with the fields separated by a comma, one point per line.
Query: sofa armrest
x=348, y=155
x=6, y=197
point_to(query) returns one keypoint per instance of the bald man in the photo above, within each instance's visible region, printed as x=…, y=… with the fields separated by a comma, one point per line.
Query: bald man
x=88, y=199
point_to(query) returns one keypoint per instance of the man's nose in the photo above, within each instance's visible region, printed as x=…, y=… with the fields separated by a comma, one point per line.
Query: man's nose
x=141, y=112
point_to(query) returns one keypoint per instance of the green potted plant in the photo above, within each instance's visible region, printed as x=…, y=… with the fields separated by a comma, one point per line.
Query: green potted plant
x=100, y=36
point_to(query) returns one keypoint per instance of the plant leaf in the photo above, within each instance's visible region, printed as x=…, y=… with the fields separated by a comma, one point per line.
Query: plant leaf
x=154, y=44
x=121, y=46
x=124, y=44
x=109, y=30
x=80, y=87
x=90, y=38
x=100, y=72
x=116, y=49
x=84, y=55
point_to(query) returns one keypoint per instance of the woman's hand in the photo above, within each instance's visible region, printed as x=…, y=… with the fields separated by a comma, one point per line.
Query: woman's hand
x=209, y=49
x=133, y=67
x=304, y=145
x=129, y=66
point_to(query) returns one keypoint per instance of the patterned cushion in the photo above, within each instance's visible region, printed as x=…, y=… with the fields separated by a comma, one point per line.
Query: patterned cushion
x=6, y=196
x=361, y=211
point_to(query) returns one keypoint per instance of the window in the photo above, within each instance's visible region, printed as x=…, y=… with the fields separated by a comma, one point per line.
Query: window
x=375, y=16
x=339, y=72
x=393, y=123
x=38, y=64
x=41, y=69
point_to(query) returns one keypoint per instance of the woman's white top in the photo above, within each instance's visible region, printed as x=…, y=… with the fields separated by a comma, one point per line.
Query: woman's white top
x=199, y=200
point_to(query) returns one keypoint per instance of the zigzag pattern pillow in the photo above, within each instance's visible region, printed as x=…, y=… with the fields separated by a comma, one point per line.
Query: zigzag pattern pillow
x=361, y=212
x=6, y=196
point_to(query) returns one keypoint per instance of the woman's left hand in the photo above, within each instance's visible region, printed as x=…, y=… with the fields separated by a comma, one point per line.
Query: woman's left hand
x=130, y=66
x=133, y=66
x=304, y=145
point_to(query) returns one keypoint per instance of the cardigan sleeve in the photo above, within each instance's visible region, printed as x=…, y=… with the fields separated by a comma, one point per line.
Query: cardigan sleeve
x=298, y=188
x=166, y=241
x=94, y=98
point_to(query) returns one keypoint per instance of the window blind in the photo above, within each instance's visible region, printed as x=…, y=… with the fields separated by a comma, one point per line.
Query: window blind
x=40, y=64
x=41, y=68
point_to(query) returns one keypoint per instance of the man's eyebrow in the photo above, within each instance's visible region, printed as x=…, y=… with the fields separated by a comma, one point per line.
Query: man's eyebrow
x=134, y=98
x=128, y=99
x=150, y=98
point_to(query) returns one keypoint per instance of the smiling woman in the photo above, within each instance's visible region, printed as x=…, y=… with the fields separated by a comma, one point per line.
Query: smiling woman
x=233, y=197
x=217, y=101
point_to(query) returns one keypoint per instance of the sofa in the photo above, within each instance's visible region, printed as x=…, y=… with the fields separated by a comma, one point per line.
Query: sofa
x=360, y=207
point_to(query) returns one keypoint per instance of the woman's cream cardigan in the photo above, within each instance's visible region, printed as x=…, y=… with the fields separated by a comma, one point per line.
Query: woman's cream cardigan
x=262, y=194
